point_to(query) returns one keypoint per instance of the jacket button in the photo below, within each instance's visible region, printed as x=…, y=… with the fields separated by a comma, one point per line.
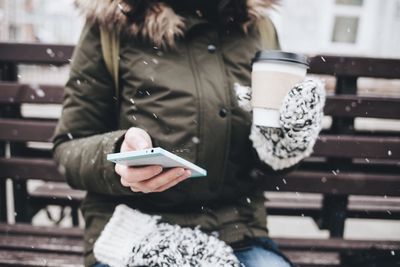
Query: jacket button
x=211, y=48
x=223, y=112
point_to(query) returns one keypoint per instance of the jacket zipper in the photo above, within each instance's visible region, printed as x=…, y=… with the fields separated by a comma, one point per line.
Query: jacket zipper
x=227, y=92
x=198, y=99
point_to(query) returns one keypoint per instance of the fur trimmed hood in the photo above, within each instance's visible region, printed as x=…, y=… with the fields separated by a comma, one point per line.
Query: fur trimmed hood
x=157, y=20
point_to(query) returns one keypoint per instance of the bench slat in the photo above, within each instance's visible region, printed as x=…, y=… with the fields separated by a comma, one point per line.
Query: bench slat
x=336, y=105
x=352, y=106
x=356, y=164
x=313, y=259
x=43, y=244
x=28, y=229
x=56, y=194
x=27, y=130
x=36, y=53
x=354, y=201
x=335, y=244
x=35, y=259
x=314, y=210
x=58, y=190
x=27, y=168
x=311, y=205
x=16, y=93
x=348, y=146
x=344, y=182
x=320, y=64
x=355, y=66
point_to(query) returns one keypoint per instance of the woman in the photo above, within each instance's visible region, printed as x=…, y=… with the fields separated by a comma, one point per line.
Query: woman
x=178, y=63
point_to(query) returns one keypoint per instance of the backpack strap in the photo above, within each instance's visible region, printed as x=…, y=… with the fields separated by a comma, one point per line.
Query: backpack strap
x=268, y=34
x=110, y=49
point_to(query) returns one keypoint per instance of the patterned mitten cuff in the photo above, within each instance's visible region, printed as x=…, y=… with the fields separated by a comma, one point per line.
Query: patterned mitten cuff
x=132, y=238
x=126, y=228
x=300, y=119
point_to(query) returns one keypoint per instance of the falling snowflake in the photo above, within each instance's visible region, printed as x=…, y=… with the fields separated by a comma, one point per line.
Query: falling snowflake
x=50, y=52
x=195, y=140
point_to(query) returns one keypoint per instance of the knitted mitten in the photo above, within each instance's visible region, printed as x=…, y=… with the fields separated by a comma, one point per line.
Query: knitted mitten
x=301, y=121
x=132, y=238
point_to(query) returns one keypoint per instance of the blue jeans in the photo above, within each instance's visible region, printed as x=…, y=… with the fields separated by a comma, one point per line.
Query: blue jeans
x=256, y=255
x=262, y=252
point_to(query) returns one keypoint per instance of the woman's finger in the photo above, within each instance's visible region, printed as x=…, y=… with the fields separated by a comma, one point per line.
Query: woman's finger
x=137, y=174
x=162, y=179
x=186, y=175
x=136, y=139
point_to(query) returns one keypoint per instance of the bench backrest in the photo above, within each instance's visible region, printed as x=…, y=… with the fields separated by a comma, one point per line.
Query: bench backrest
x=345, y=161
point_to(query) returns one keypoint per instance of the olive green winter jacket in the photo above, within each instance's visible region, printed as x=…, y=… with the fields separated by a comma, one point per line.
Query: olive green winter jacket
x=183, y=97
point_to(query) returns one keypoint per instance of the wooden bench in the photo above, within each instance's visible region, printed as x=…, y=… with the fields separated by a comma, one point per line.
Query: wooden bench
x=353, y=170
x=27, y=245
x=352, y=173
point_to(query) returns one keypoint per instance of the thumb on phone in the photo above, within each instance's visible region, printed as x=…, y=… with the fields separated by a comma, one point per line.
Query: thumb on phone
x=136, y=139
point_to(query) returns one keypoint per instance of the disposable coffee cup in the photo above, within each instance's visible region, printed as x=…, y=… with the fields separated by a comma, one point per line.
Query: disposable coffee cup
x=274, y=73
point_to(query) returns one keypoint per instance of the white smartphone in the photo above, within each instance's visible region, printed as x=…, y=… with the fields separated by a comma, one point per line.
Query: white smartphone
x=155, y=156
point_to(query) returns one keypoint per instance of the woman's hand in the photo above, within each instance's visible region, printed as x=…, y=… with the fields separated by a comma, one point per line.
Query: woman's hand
x=301, y=121
x=149, y=178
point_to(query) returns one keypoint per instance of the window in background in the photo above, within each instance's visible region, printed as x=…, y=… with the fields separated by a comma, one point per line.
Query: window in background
x=345, y=29
x=348, y=23
x=350, y=2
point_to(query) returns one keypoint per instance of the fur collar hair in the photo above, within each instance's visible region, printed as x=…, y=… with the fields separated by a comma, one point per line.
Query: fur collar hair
x=157, y=21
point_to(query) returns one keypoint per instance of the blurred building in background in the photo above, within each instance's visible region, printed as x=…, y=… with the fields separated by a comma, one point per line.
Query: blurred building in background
x=356, y=27
x=45, y=21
